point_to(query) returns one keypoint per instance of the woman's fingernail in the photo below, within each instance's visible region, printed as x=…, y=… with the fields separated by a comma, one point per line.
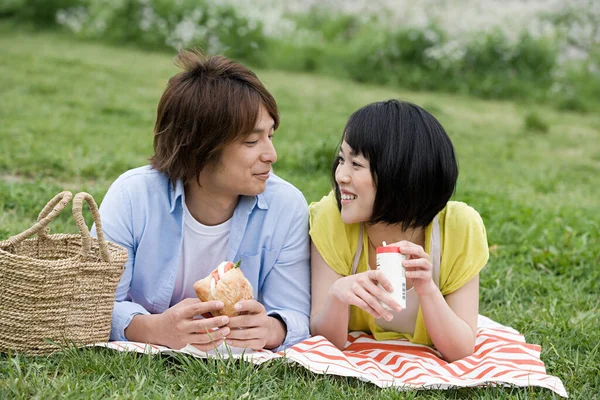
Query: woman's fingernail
x=219, y=304
x=237, y=307
x=225, y=320
x=225, y=331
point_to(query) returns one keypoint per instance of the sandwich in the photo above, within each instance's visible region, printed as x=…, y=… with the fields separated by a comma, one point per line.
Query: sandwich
x=226, y=283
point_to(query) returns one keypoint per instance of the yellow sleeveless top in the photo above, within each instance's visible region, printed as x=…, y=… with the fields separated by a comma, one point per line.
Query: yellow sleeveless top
x=464, y=252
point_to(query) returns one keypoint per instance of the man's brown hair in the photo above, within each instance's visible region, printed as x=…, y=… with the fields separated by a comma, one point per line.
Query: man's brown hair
x=213, y=102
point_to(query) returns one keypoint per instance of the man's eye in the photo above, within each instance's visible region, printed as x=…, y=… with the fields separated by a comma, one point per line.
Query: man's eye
x=271, y=137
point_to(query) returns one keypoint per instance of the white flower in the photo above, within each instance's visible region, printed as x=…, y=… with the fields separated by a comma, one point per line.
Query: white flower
x=73, y=18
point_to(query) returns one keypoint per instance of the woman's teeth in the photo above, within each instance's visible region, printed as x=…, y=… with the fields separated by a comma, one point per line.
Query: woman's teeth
x=348, y=197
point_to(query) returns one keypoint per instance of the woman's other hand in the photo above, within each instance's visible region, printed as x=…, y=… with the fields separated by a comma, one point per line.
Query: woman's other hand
x=419, y=270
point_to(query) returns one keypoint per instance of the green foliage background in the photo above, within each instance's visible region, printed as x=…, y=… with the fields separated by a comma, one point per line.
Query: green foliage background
x=489, y=65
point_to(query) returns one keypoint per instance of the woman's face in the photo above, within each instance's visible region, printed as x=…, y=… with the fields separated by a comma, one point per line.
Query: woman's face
x=357, y=189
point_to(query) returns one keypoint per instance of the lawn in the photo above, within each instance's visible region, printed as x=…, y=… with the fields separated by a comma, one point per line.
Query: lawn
x=74, y=115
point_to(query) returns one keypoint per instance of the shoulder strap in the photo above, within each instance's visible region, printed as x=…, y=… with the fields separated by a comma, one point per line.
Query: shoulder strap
x=358, y=250
x=436, y=250
x=434, y=243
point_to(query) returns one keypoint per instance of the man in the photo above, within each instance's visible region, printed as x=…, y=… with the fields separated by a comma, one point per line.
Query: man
x=208, y=196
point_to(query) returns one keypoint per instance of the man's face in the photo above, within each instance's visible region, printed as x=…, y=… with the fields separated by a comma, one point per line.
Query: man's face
x=244, y=166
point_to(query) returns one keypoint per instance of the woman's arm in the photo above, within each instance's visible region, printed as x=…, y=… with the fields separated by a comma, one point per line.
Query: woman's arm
x=333, y=294
x=451, y=322
x=329, y=316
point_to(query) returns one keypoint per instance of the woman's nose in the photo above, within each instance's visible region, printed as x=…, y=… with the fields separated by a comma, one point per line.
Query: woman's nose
x=341, y=176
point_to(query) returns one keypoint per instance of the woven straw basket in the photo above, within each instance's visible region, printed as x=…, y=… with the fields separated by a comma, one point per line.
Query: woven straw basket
x=58, y=289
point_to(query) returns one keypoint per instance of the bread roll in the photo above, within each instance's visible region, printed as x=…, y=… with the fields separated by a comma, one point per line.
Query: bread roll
x=226, y=283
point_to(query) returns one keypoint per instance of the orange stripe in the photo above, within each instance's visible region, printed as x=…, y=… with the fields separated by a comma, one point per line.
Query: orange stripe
x=484, y=373
x=360, y=372
x=421, y=364
x=367, y=360
x=499, y=364
x=503, y=348
x=412, y=368
x=531, y=362
x=428, y=376
x=423, y=352
x=326, y=356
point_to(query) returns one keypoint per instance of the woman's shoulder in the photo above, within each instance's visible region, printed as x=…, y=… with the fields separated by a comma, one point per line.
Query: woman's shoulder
x=326, y=216
x=458, y=216
x=335, y=240
x=464, y=248
x=326, y=208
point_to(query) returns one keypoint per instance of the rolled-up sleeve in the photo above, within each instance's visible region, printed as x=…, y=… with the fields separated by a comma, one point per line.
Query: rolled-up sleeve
x=117, y=222
x=286, y=290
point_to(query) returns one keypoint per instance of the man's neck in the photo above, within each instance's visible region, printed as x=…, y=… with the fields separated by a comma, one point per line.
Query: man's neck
x=208, y=207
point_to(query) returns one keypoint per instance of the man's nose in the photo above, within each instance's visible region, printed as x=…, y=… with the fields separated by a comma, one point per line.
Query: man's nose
x=269, y=154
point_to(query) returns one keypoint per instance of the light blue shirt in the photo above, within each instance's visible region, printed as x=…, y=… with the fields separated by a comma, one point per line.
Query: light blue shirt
x=143, y=212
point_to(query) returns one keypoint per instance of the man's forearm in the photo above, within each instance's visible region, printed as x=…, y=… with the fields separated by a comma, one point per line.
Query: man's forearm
x=141, y=329
x=278, y=332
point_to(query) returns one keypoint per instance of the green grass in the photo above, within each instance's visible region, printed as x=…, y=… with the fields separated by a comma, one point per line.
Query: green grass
x=74, y=115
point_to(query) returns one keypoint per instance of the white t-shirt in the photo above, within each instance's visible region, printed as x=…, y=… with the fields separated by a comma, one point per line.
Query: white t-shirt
x=203, y=249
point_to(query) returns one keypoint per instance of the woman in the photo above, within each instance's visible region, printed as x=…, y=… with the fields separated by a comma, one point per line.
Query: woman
x=393, y=179
x=209, y=196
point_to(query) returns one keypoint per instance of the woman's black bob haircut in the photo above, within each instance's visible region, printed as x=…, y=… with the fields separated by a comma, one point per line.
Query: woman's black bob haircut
x=411, y=158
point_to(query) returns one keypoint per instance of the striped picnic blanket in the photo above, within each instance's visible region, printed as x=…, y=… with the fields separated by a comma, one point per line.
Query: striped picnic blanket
x=502, y=357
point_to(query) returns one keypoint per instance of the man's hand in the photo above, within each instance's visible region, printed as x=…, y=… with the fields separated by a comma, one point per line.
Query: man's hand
x=254, y=329
x=177, y=326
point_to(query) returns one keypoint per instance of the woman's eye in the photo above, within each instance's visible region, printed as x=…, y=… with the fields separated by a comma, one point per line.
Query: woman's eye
x=340, y=160
x=271, y=137
x=355, y=164
x=253, y=142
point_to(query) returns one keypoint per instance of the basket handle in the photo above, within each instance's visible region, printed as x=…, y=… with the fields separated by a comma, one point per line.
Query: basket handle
x=50, y=211
x=86, y=238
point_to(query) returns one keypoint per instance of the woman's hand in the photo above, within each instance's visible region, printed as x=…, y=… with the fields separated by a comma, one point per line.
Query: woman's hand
x=254, y=329
x=418, y=267
x=177, y=326
x=362, y=290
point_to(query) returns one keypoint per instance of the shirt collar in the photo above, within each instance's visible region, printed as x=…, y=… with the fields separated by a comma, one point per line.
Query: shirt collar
x=262, y=202
x=176, y=192
x=246, y=201
x=249, y=202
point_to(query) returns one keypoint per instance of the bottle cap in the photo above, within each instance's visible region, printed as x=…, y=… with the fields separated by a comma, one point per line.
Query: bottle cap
x=388, y=249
